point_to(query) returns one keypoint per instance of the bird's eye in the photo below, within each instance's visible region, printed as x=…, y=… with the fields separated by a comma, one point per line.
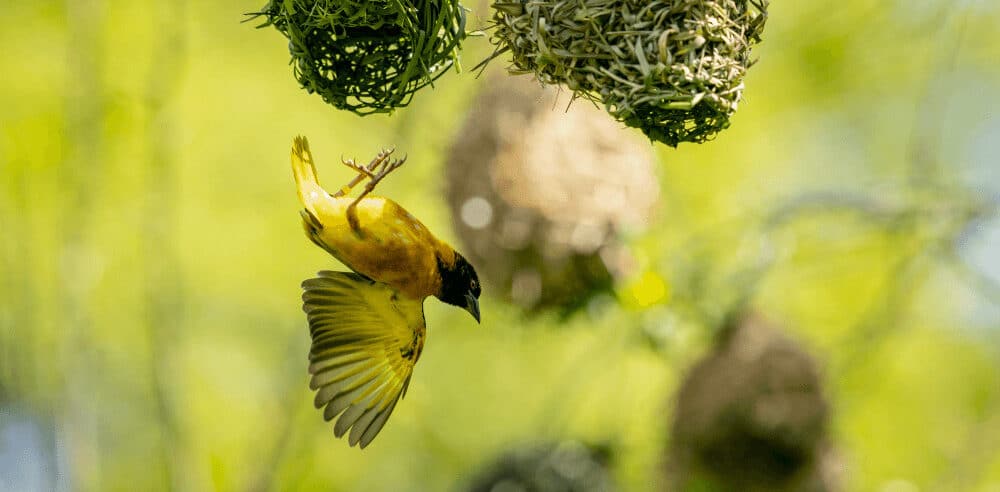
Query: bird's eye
x=473, y=284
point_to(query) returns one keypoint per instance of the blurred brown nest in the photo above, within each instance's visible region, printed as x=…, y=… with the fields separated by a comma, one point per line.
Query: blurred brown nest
x=751, y=416
x=672, y=68
x=566, y=466
x=540, y=194
x=368, y=57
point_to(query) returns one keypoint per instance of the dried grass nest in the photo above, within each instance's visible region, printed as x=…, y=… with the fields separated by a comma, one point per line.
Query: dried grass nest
x=752, y=415
x=540, y=195
x=368, y=57
x=547, y=466
x=672, y=68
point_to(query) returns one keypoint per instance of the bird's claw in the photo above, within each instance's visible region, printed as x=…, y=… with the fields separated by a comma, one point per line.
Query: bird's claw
x=374, y=171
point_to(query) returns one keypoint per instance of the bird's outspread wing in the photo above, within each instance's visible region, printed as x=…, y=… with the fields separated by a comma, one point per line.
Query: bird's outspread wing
x=366, y=338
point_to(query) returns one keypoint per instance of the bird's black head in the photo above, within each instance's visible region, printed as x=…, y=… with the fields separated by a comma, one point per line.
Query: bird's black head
x=460, y=285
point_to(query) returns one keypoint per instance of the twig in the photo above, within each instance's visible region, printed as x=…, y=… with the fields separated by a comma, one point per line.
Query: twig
x=85, y=107
x=164, y=297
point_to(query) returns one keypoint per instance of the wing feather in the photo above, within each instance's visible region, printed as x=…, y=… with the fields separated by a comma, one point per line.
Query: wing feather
x=378, y=423
x=332, y=358
x=366, y=338
x=346, y=375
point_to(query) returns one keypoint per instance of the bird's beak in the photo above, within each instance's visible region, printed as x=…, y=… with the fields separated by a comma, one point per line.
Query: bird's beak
x=472, y=306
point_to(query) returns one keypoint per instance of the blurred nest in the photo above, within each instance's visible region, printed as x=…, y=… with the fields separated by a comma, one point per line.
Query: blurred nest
x=751, y=416
x=368, y=57
x=539, y=196
x=556, y=467
x=672, y=68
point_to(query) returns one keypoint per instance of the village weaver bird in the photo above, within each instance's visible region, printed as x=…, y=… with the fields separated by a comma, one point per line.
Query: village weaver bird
x=367, y=327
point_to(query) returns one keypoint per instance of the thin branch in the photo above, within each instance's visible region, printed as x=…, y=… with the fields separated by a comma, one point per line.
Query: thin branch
x=81, y=173
x=164, y=297
x=285, y=445
x=924, y=147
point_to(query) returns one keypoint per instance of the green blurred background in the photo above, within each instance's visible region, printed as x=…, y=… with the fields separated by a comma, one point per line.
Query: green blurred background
x=151, y=335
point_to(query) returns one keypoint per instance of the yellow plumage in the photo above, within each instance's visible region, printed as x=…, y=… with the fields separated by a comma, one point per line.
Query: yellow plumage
x=368, y=327
x=362, y=354
x=387, y=243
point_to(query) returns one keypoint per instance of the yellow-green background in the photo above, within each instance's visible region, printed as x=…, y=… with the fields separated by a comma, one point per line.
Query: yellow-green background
x=151, y=251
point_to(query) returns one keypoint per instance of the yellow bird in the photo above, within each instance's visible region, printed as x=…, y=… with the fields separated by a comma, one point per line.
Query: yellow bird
x=368, y=327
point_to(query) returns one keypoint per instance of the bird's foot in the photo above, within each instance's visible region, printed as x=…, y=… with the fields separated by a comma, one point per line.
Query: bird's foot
x=385, y=167
x=369, y=171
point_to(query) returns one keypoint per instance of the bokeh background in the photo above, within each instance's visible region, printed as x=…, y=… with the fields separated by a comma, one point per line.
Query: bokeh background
x=151, y=336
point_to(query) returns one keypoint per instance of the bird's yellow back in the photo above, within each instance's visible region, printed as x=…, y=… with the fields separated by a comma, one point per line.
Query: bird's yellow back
x=386, y=243
x=389, y=244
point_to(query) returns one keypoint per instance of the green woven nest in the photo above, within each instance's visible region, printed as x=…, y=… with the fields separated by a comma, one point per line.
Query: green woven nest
x=672, y=68
x=368, y=57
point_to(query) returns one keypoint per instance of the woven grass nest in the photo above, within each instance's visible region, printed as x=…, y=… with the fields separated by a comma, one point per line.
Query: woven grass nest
x=672, y=68
x=539, y=195
x=752, y=416
x=368, y=57
x=547, y=466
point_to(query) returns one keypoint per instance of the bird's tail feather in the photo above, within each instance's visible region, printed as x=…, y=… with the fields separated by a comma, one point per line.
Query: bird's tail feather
x=304, y=170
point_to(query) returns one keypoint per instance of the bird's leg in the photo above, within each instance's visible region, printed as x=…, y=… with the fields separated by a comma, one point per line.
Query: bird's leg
x=384, y=168
x=363, y=171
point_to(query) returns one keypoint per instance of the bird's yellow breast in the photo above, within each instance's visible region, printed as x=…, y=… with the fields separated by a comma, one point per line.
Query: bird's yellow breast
x=388, y=245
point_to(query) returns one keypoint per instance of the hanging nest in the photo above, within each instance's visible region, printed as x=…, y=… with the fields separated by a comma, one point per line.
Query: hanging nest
x=539, y=195
x=368, y=57
x=672, y=68
x=751, y=416
x=562, y=466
